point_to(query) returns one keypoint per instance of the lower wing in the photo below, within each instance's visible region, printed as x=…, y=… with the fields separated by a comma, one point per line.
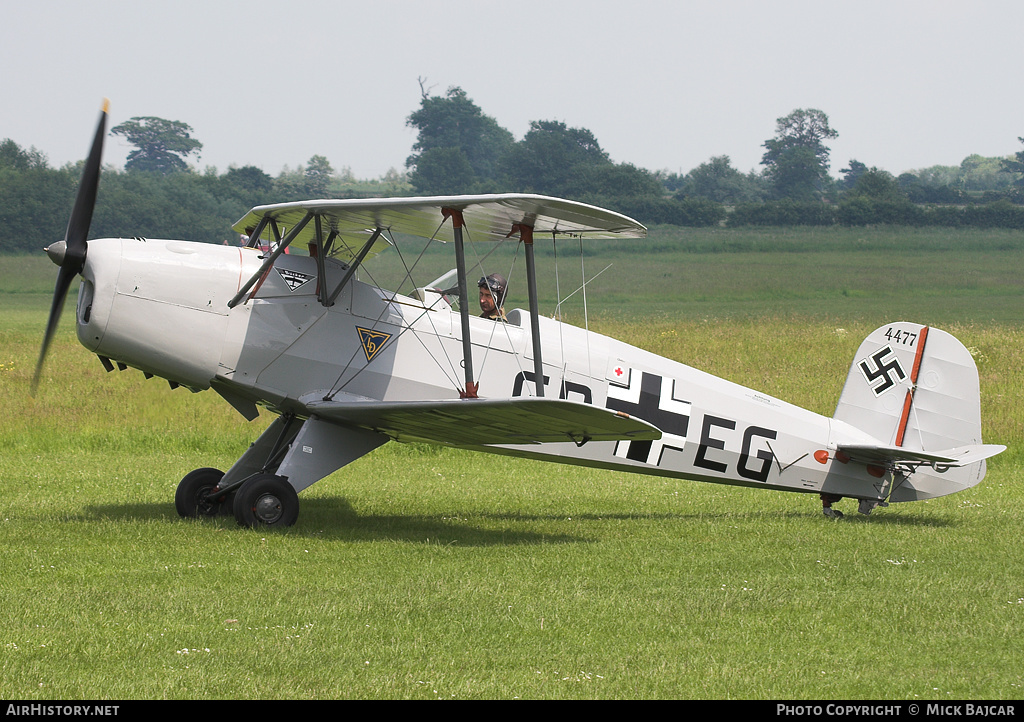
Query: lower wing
x=475, y=422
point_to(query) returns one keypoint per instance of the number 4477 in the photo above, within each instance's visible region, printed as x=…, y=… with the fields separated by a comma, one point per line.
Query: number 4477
x=907, y=338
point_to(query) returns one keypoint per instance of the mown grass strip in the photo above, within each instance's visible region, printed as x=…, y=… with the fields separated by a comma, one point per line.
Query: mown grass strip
x=419, y=572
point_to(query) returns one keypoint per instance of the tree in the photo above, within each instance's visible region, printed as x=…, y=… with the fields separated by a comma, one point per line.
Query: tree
x=455, y=121
x=161, y=146
x=553, y=158
x=796, y=160
x=317, y=177
x=935, y=184
x=1015, y=165
x=878, y=185
x=443, y=171
x=249, y=179
x=939, y=175
x=979, y=173
x=310, y=180
x=13, y=156
x=851, y=174
x=619, y=180
x=671, y=182
x=34, y=199
x=716, y=180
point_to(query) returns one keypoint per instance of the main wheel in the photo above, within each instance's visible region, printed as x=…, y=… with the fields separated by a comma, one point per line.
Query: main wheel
x=266, y=500
x=192, y=499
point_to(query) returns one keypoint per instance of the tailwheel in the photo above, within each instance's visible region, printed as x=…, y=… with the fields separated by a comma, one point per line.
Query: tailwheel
x=194, y=497
x=266, y=500
x=827, y=500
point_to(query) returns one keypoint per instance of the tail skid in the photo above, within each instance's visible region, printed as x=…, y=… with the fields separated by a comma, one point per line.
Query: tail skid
x=914, y=392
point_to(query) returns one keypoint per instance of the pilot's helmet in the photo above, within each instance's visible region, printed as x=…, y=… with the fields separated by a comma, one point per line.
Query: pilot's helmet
x=497, y=284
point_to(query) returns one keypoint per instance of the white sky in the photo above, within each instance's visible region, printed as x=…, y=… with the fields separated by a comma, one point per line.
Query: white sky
x=663, y=84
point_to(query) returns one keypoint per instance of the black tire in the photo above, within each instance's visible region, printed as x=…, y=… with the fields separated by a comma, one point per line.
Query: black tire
x=266, y=500
x=191, y=499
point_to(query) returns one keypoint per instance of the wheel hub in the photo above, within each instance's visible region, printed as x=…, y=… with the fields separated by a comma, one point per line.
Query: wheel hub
x=206, y=501
x=268, y=508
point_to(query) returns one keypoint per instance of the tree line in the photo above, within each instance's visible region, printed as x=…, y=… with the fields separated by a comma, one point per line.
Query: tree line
x=460, y=149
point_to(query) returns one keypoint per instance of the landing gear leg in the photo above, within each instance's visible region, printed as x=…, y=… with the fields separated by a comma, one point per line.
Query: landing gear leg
x=826, y=506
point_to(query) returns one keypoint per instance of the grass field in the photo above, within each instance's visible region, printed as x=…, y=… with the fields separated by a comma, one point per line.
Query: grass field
x=432, y=573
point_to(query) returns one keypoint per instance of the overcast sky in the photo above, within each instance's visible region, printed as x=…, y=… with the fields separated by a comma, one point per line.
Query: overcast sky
x=662, y=84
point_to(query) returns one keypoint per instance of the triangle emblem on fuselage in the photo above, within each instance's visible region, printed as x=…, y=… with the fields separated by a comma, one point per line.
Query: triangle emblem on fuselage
x=294, y=279
x=372, y=341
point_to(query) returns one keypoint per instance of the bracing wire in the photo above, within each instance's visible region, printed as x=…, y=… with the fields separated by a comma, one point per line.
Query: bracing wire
x=479, y=263
x=337, y=385
x=586, y=316
x=558, y=310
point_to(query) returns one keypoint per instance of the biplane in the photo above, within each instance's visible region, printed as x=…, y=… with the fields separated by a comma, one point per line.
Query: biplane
x=347, y=366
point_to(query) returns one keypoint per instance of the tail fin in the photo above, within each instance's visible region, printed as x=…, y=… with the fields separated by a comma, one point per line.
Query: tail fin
x=916, y=388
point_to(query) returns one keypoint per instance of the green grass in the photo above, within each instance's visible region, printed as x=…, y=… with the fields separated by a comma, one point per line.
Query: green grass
x=876, y=274
x=427, y=573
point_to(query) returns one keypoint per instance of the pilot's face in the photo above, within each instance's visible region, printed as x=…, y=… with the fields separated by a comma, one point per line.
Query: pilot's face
x=486, y=300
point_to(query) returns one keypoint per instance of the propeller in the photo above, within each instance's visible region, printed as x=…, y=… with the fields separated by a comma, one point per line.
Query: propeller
x=69, y=254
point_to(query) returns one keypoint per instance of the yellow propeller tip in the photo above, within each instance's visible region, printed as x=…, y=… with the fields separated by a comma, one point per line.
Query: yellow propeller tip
x=106, y=105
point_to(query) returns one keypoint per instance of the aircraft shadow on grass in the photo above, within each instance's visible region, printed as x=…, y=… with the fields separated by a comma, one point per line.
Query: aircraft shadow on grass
x=336, y=520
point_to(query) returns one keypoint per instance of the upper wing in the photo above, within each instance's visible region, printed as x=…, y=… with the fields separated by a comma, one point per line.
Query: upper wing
x=475, y=422
x=487, y=217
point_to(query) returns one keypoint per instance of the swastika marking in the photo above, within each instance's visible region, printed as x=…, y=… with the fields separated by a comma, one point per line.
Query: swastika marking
x=880, y=375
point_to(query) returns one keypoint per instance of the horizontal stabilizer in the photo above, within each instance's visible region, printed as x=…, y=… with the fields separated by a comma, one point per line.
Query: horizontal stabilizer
x=476, y=422
x=960, y=456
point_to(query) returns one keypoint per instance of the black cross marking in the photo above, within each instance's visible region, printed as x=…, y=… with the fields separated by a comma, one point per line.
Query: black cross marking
x=648, y=408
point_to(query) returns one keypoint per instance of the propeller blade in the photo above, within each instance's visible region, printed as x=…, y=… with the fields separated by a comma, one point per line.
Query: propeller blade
x=81, y=216
x=69, y=254
x=60, y=292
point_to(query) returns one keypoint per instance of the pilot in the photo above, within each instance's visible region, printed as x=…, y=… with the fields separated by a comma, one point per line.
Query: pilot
x=492, y=297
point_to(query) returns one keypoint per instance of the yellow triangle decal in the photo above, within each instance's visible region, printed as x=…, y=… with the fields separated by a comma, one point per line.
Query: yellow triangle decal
x=372, y=341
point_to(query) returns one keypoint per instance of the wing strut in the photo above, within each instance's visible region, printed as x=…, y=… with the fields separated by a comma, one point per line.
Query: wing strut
x=526, y=236
x=525, y=232
x=321, y=264
x=292, y=234
x=354, y=265
x=458, y=222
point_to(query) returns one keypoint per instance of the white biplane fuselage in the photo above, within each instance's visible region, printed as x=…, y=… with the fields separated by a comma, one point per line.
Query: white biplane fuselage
x=162, y=307
x=348, y=366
